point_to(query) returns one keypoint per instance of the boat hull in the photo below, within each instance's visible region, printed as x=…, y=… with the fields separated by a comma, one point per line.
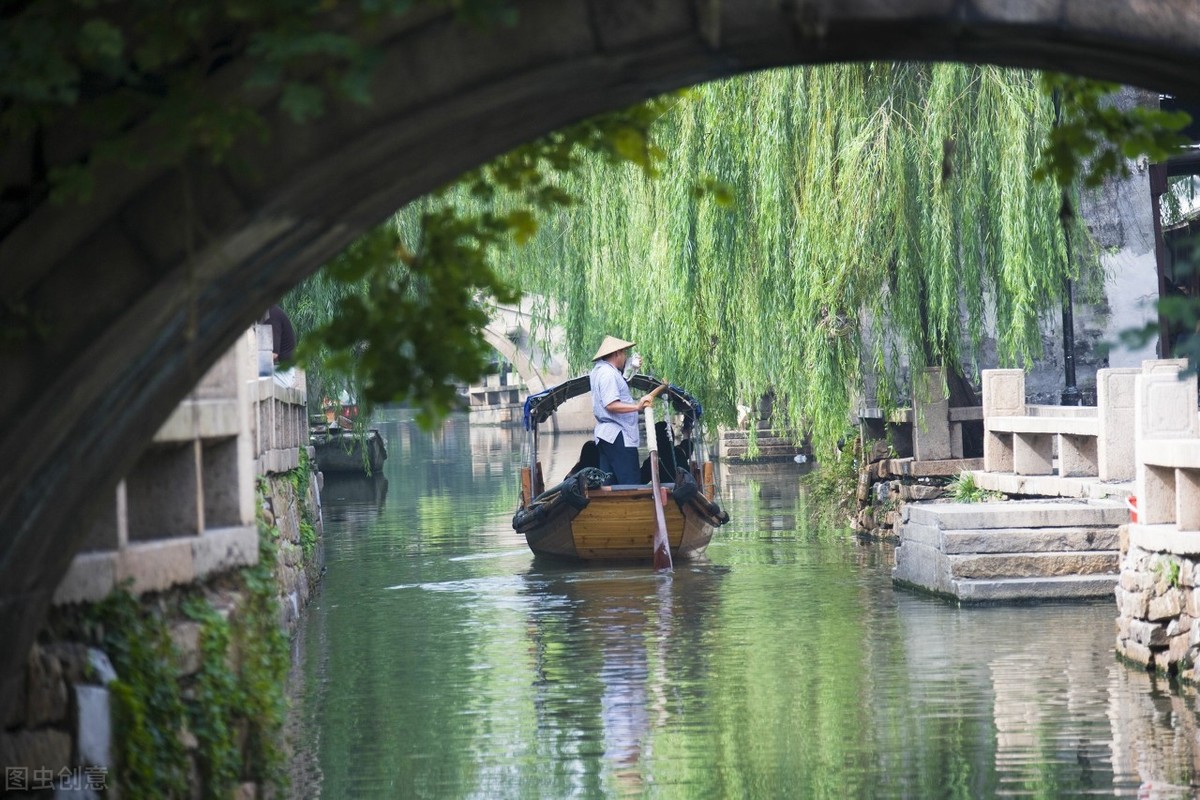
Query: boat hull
x=619, y=525
x=346, y=452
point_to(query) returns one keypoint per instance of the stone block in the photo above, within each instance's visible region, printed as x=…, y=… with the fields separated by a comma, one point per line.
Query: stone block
x=185, y=636
x=1155, y=494
x=1003, y=392
x=926, y=535
x=47, y=748
x=1033, y=453
x=1132, y=581
x=1153, y=539
x=1064, y=587
x=1029, y=540
x=1077, y=456
x=919, y=492
x=997, y=451
x=931, y=415
x=94, y=732
x=225, y=549
x=89, y=579
x=923, y=567
x=72, y=657
x=1115, y=390
x=1135, y=652
x=45, y=689
x=156, y=566
x=1019, y=514
x=1165, y=406
x=1134, y=605
x=1032, y=565
x=1150, y=634
x=1164, y=366
x=1165, y=606
x=1187, y=499
x=100, y=668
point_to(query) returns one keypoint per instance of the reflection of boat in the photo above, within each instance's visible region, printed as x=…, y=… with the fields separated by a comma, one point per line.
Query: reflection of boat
x=340, y=450
x=581, y=519
x=349, y=487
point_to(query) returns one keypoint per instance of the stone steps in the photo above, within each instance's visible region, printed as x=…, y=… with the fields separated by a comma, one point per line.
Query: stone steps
x=1066, y=587
x=1011, y=551
x=736, y=444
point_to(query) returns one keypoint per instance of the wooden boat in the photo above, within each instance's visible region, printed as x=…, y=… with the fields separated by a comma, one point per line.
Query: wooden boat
x=582, y=519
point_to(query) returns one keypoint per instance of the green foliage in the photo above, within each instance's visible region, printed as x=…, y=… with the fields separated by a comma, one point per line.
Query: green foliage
x=1094, y=139
x=148, y=709
x=262, y=648
x=134, y=76
x=964, y=489
x=399, y=315
x=831, y=486
x=215, y=701
x=240, y=684
x=871, y=198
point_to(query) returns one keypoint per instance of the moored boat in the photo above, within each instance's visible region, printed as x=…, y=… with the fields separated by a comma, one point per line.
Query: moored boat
x=339, y=450
x=581, y=518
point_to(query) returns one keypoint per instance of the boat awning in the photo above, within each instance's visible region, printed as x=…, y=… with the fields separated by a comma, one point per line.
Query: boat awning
x=539, y=407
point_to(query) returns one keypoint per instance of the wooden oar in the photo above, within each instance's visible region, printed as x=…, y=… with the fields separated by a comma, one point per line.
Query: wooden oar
x=662, y=547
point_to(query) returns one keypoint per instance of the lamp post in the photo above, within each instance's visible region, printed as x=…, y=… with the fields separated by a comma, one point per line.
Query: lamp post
x=1071, y=395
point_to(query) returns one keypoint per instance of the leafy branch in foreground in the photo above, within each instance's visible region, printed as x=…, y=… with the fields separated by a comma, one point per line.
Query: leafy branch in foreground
x=399, y=315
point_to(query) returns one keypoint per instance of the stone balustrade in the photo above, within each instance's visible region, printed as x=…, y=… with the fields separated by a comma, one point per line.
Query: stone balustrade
x=1025, y=439
x=187, y=508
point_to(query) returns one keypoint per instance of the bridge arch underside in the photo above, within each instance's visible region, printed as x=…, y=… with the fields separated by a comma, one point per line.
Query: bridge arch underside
x=146, y=285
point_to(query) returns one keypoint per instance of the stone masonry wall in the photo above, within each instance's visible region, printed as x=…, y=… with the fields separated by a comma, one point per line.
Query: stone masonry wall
x=58, y=739
x=1158, y=607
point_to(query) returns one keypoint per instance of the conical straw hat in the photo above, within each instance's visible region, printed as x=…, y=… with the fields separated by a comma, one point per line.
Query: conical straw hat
x=610, y=345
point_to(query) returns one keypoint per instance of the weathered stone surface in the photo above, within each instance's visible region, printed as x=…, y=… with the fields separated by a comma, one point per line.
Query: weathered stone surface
x=1135, y=605
x=94, y=732
x=1148, y=633
x=923, y=567
x=101, y=669
x=1065, y=587
x=1133, y=651
x=1030, y=565
x=1135, y=581
x=186, y=638
x=46, y=693
x=1023, y=540
x=919, y=492
x=45, y=748
x=1165, y=606
x=1019, y=514
x=72, y=657
x=225, y=549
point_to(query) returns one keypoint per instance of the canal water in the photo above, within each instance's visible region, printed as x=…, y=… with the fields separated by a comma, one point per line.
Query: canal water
x=440, y=661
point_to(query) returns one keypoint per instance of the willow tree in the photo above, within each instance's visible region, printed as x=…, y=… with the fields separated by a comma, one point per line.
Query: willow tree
x=882, y=214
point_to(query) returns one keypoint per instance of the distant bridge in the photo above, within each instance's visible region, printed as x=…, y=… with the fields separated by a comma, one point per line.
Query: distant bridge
x=527, y=336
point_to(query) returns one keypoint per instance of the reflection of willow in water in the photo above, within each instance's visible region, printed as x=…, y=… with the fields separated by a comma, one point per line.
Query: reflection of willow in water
x=615, y=647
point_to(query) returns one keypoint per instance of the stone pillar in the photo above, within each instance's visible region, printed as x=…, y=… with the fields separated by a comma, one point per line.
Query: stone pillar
x=931, y=415
x=1164, y=408
x=1003, y=396
x=1077, y=455
x=1115, y=413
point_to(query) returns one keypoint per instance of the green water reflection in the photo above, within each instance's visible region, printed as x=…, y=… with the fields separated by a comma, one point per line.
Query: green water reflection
x=441, y=661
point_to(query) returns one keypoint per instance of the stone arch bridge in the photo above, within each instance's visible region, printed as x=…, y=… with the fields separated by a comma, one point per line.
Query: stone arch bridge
x=148, y=283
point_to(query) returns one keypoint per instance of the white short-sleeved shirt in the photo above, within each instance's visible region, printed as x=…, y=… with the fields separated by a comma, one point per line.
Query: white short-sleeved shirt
x=608, y=384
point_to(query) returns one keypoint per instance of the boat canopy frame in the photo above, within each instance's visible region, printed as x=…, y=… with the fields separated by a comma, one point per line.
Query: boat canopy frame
x=539, y=407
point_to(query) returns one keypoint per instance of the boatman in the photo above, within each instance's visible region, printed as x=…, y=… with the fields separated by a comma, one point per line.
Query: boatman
x=616, y=412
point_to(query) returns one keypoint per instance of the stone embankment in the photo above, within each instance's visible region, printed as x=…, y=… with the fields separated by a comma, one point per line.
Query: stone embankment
x=1007, y=551
x=169, y=619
